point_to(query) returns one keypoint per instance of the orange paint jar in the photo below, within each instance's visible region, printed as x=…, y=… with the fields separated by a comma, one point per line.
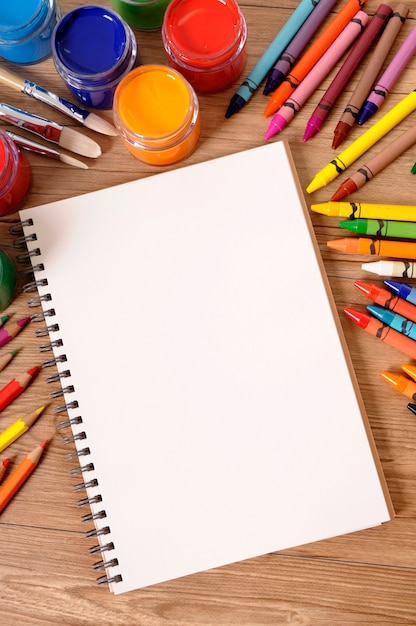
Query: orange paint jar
x=156, y=112
x=205, y=40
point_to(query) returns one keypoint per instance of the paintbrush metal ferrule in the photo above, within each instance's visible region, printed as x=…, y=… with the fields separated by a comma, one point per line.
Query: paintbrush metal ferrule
x=34, y=146
x=51, y=131
x=68, y=108
x=33, y=123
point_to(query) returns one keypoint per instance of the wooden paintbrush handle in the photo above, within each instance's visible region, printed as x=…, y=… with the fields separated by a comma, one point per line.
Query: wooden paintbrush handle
x=10, y=79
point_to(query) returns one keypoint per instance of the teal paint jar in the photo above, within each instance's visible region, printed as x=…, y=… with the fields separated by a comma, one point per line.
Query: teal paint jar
x=26, y=28
x=141, y=14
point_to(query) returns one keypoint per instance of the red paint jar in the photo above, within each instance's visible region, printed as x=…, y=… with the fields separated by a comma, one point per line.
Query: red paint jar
x=205, y=40
x=15, y=176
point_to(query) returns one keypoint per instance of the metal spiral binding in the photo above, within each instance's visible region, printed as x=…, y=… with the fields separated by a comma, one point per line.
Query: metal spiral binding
x=27, y=256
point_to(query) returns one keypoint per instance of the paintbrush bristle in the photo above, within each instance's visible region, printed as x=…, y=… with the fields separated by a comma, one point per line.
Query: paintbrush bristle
x=77, y=142
x=65, y=158
x=99, y=124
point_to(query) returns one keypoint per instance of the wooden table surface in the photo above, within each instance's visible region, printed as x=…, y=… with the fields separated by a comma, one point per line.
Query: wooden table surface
x=368, y=577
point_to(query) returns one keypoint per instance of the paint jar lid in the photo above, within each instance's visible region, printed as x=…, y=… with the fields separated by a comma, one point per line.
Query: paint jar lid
x=93, y=45
x=20, y=20
x=7, y=280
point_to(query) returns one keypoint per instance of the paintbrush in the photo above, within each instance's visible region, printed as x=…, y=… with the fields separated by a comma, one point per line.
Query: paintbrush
x=34, y=146
x=90, y=120
x=51, y=131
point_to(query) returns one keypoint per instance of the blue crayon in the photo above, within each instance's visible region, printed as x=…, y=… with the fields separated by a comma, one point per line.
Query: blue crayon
x=394, y=320
x=403, y=290
x=270, y=56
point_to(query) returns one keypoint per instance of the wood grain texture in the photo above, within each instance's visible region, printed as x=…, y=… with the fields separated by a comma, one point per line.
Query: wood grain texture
x=366, y=578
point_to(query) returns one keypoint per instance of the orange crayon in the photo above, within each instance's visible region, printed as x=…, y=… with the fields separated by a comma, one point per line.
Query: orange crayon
x=401, y=383
x=312, y=55
x=387, y=334
x=22, y=472
x=379, y=247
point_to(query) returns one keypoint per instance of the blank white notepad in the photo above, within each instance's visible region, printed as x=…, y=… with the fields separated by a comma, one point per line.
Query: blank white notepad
x=220, y=412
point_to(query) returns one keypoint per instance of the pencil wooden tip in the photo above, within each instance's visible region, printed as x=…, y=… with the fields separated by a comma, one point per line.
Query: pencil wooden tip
x=100, y=125
x=77, y=142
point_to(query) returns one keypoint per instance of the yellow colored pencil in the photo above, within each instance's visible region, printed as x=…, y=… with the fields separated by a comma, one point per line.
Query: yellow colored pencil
x=18, y=428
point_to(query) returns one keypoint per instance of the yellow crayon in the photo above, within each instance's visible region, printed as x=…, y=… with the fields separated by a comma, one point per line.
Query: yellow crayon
x=358, y=147
x=18, y=428
x=377, y=211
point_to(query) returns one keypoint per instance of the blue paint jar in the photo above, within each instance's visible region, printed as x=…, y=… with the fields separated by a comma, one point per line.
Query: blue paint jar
x=93, y=48
x=26, y=28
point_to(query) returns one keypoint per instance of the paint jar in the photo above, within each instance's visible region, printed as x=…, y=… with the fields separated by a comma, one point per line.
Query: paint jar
x=8, y=280
x=156, y=112
x=26, y=29
x=141, y=14
x=205, y=40
x=93, y=48
x=15, y=176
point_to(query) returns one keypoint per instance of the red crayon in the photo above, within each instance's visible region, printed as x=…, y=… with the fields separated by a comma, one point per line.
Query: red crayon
x=387, y=334
x=7, y=333
x=16, y=386
x=386, y=298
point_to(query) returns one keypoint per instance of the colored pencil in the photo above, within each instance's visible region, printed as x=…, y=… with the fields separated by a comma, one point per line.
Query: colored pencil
x=3, y=467
x=18, y=428
x=20, y=475
x=6, y=358
x=16, y=386
x=9, y=332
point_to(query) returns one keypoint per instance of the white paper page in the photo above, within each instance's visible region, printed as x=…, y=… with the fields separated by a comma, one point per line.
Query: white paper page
x=217, y=402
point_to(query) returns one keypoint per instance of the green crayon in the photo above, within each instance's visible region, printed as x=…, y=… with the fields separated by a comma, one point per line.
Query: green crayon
x=381, y=228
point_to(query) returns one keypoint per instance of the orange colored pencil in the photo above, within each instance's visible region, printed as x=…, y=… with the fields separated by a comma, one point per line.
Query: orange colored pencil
x=380, y=247
x=312, y=55
x=22, y=472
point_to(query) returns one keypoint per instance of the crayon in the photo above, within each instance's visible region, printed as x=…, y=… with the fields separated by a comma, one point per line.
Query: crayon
x=16, y=386
x=272, y=53
x=394, y=320
x=6, y=358
x=409, y=369
x=290, y=55
x=401, y=383
x=386, y=299
x=406, y=269
x=358, y=147
x=393, y=71
x=377, y=329
x=312, y=55
x=381, y=228
x=403, y=290
x=375, y=165
x=367, y=210
x=369, y=74
x=22, y=472
x=317, y=74
x=412, y=407
x=371, y=245
x=8, y=332
x=18, y=428
x=345, y=73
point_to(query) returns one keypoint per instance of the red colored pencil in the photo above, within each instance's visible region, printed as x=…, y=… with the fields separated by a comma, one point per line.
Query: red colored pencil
x=3, y=467
x=16, y=386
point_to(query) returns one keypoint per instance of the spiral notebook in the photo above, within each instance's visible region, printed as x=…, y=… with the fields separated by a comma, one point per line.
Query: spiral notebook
x=214, y=410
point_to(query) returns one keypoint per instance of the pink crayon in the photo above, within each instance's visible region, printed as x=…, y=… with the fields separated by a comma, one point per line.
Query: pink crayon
x=317, y=74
